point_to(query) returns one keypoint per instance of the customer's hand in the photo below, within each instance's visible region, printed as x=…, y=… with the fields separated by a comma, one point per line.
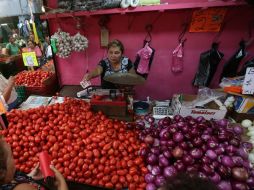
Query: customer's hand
x=60, y=181
x=36, y=173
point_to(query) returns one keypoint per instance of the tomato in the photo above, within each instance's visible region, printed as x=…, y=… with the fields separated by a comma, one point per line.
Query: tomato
x=114, y=179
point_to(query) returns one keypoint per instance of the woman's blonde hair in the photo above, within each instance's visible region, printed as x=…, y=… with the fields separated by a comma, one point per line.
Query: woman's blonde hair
x=116, y=43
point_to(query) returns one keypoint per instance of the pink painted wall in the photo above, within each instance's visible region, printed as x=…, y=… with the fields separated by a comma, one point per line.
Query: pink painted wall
x=130, y=29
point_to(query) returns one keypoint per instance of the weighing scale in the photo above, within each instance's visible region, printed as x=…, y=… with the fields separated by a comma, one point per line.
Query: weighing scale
x=115, y=103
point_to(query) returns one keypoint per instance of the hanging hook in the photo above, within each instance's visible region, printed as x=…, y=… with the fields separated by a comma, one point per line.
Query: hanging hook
x=148, y=29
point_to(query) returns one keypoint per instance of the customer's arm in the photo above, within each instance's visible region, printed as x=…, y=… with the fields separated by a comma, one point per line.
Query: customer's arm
x=8, y=89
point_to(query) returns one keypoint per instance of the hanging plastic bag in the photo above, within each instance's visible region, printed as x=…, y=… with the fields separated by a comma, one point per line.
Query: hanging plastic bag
x=208, y=63
x=144, y=60
x=231, y=67
x=177, y=58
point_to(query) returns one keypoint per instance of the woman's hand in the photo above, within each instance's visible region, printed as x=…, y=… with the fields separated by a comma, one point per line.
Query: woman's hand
x=36, y=173
x=60, y=181
x=87, y=77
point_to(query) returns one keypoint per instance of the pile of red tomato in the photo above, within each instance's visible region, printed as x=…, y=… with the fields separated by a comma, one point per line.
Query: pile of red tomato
x=32, y=78
x=85, y=147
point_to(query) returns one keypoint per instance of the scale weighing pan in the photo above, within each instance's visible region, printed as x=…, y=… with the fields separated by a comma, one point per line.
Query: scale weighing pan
x=125, y=79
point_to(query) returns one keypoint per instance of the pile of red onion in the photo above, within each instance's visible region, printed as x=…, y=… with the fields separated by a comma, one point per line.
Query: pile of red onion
x=209, y=149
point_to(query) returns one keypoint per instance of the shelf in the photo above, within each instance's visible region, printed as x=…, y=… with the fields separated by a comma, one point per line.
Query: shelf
x=160, y=8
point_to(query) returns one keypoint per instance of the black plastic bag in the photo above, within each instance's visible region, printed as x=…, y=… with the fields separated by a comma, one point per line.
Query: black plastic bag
x=231, y=67
x=208, y=63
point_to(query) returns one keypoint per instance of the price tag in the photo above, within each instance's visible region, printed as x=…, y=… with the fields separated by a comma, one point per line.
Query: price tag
x=208, y=20
x=30, y=59
x=248, y=83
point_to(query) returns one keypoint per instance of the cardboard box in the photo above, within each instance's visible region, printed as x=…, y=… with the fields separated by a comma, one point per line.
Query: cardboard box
x=179, y=107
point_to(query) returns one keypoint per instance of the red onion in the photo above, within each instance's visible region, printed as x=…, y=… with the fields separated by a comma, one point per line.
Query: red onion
x=206, y=160
x=179, y=166
x=215, y=164
x=247, y=145
x=206, y=137
x=163, y=161
x=219, y=150
x=250, y=182
x=177, y=118
x=151, y=159
x=224, y=171
x=200, y=119
x=211, y=154
x=184, y=145
x=171, y=143
x=156, y=142
x=156, y=170
x=143, y=152
x=197, y=142
x=231, y=149
x=155, y=150
x=239, y=186
x=177, y=152
x=187, y=160
x=169, y=171
x=243, y=153
x=164, y=134
x=167, y=154
x=237, y=160
x=212, y=144
x=227, y=161
x=235, y=142
x=207, y=169
x=223, y=122
x=196, y=153
x=151, y=186
x=178, y=137
x=149, y=178
x=160, y=180
x=149, y=139
x=149, y=119
x=238, y=129
x=224, y=185
x=215, y=178
x=240, y=174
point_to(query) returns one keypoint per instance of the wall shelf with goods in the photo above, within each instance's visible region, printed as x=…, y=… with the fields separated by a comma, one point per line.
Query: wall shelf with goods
x=161, y=8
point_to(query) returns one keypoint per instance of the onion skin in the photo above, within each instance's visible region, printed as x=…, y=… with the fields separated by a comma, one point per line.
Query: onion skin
x=240, y=174
x=177, y=152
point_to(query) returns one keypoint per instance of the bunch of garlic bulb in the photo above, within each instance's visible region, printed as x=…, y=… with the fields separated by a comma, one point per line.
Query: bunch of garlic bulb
x=79, y=42
x=64, y=44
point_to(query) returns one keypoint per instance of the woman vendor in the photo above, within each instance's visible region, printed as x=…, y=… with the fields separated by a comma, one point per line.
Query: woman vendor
x=114, y=63
x=7, y=92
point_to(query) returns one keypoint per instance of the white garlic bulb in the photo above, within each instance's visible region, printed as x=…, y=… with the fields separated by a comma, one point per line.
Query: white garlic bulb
x=79, y=42
x=64, y=43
